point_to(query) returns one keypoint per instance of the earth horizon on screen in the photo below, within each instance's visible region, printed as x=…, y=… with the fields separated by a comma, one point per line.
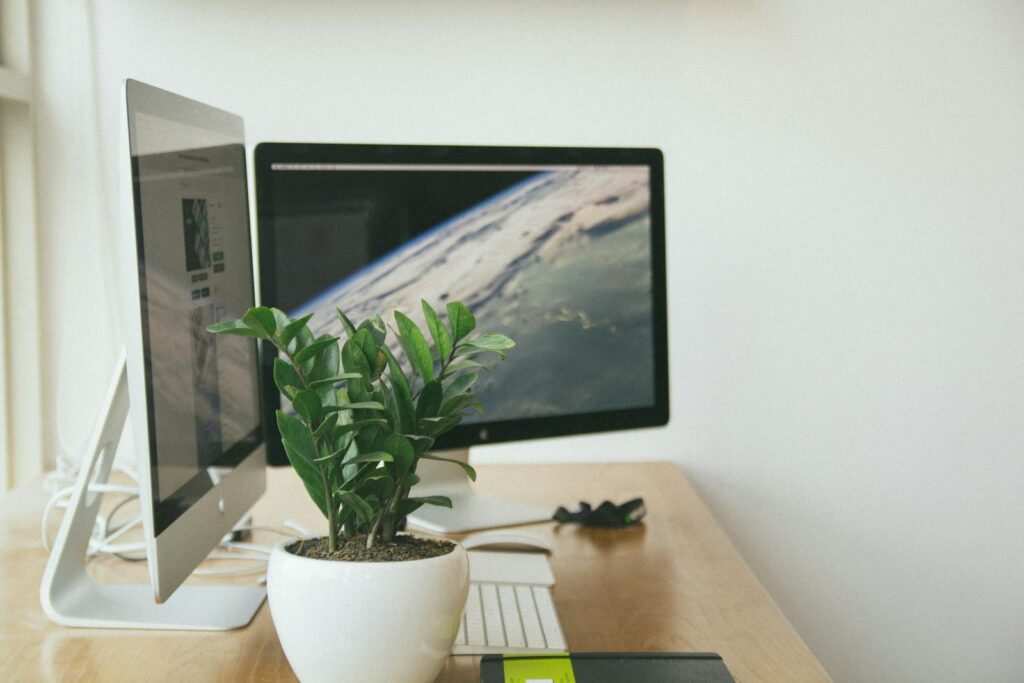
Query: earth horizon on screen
x=560, y=262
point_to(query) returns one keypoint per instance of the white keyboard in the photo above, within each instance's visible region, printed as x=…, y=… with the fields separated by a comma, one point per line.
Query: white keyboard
x=502, y=617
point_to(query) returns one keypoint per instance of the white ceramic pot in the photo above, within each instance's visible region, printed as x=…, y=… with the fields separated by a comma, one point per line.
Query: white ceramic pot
x=367, y=621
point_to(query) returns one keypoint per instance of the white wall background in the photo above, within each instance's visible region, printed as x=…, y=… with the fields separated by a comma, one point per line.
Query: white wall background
x=846, y=244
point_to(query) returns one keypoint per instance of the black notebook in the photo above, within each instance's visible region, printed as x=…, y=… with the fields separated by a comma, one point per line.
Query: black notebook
x=605, y=667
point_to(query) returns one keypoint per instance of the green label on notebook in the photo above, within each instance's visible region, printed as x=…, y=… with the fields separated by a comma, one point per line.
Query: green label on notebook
x=545, y=668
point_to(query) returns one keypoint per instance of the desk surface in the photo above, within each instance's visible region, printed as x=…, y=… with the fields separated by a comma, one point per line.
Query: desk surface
x=674, y=583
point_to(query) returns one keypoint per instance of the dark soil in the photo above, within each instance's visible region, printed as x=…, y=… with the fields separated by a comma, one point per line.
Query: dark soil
x=354, y=549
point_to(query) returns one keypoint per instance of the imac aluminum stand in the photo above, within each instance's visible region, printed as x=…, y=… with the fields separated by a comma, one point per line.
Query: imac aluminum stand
x=70, y=597
x=470, y=510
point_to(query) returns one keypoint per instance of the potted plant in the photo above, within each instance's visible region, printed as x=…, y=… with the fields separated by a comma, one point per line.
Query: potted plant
x=366, y=602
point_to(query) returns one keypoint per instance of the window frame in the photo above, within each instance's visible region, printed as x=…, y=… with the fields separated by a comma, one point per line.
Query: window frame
x=21, y=433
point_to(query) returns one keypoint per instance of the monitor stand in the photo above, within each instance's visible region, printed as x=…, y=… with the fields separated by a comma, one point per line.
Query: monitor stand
x=70, y=597
x=470, y=511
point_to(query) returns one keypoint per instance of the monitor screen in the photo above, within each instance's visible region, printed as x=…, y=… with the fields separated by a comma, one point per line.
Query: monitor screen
x=195, y=268
x=561, y=249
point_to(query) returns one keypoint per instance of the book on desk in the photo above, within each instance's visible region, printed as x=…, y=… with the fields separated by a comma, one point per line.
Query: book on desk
x=606, y=667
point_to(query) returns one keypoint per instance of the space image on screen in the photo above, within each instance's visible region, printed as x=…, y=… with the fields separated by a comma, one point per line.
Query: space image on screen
x=558, y=257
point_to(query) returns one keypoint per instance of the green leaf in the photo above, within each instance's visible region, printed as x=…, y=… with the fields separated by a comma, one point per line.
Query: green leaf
x=329, y=457
x=350, y=329
x=407, y=507
x=415, y=346
x=326, y=428
x=384, y=486
x=345, y=445
x=363, y=509
x=302, y=339
x=436, y=426
x=349, y=471
x=390, y=407
x=289, y=331
x=361, y=405
x=326, y=364
x=357, y=391
x=429, y=402
x=442, y=339
x=406, y=410
x=492, y=341
x=287, y=380
x=379, y=364
x=461, y=320
x=296, y=434
x=376, y=327
x=398, y=446
x=307, y=405
x=403, y=395
x=460, y=385
x=331, y=381
x=458, y=403
x=468, y=351
x=280, y=317
x=261, y=319
x=461, y=364
x=316, y=347
x=470, y=472
x=357, y=425
x=374, y=456
x=354, y=360
x=235, y=327
x=364, y=339
x=364, y=475
x=420, y=444
x=443, y=501
x=298, y=446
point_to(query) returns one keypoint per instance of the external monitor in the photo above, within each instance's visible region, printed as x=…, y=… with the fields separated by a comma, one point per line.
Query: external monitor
x=561, y=248
x=192, y=397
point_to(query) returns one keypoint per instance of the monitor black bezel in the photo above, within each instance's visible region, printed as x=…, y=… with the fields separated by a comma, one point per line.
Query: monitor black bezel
x=268, y=153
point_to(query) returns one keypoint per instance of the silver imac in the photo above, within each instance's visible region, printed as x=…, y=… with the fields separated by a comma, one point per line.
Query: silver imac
x=192, y=397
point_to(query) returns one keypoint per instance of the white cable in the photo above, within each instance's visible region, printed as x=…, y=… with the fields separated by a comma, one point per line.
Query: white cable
x=105, y=545
x=62, y=499
x=62, y=484
x=251, y=547
x=218, y=572
x=295, y=526
x=235, y=556
x=274, y=530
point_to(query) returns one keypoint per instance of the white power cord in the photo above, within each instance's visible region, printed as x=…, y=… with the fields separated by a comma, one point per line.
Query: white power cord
x=105, y=532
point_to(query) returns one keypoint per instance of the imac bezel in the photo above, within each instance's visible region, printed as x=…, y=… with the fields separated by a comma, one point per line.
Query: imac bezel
x=491, y=431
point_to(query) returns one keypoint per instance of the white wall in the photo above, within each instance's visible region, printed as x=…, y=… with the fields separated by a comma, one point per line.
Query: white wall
x=846, y=244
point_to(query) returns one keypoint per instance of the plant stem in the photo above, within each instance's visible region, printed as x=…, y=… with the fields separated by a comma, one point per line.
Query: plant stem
x=388, y=512
x=373, y=530
x=332, y=525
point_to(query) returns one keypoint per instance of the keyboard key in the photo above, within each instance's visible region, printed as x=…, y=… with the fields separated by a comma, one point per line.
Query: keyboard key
x=531, y=622
x=492, y=615
x=474, y=617
x=548, y=618
x=510, y=616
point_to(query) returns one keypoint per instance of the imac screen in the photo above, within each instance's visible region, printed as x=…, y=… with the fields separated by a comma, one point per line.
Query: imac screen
x=557, y=256
x=195, y=269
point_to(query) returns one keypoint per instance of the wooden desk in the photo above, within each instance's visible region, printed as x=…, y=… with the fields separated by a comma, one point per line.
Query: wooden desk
x=673, y=584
